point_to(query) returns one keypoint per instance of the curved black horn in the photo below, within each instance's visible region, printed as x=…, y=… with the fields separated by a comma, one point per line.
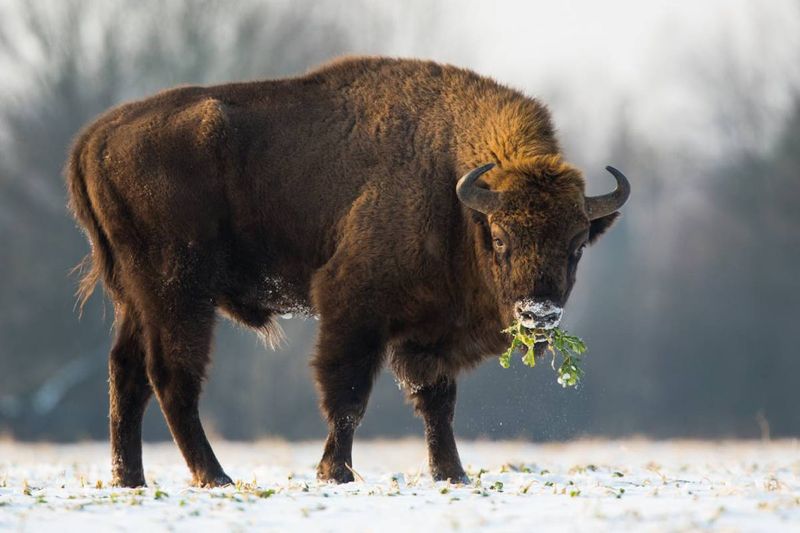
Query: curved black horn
x=476, y=197
x=600, y=206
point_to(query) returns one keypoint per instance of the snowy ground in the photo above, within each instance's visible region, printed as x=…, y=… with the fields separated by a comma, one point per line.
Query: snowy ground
x=579, y=486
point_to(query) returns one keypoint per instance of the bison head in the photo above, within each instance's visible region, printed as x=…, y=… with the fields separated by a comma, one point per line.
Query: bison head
x=534, y=224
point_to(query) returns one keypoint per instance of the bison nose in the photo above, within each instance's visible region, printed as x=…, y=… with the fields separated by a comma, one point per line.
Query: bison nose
x=541, y=315
x=525, y=316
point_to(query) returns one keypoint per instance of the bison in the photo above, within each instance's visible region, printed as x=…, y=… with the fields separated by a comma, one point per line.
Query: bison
x=337, y=194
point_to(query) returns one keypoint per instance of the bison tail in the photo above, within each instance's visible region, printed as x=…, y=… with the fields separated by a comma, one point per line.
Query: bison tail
x=99, y=262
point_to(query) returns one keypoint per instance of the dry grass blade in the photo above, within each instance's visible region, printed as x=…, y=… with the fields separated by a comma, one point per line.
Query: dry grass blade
x=355, y=474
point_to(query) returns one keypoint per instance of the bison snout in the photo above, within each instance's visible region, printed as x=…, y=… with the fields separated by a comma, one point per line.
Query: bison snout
x=540, y=315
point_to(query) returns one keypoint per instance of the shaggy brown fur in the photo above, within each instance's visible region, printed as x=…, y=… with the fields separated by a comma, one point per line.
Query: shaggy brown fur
x=334, y=194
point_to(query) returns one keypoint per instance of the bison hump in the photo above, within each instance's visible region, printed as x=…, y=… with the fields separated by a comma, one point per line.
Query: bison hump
x=212, y=118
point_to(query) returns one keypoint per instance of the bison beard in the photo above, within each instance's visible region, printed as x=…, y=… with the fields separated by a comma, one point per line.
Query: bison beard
x=333, y=194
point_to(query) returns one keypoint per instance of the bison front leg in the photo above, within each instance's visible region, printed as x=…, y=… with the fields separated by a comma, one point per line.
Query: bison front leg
x=436, y=405
x=346, y=364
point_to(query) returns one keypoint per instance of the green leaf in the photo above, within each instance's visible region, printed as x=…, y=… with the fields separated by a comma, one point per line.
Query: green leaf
x=505, y=358
x=529, y=359
x=567, y=347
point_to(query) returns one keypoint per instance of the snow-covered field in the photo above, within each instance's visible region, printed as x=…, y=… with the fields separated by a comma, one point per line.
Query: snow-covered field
x=516, y=486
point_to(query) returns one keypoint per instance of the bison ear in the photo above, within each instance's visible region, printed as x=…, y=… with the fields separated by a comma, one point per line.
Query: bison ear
x=600, y=225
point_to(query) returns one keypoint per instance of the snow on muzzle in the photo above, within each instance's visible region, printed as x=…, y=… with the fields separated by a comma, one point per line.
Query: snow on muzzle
x=541, y=315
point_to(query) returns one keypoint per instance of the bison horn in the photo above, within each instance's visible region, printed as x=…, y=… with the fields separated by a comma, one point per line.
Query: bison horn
x=476, y=197
x=600, y=206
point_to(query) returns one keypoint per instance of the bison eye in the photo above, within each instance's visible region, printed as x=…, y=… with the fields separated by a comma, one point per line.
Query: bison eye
x=499, y=246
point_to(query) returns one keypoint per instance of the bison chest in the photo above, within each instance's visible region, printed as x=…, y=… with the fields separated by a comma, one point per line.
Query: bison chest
x=442, y=350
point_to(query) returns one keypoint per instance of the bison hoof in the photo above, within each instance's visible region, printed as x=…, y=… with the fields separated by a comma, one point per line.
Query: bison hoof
x=453, y=475
x=209, y=482
x=129, y=481
x=337, y=473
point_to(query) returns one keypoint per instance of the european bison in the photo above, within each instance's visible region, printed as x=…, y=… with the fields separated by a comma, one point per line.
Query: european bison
x=336, y=193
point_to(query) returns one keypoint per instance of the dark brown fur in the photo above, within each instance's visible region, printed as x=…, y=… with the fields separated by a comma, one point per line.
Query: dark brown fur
x=331, y=193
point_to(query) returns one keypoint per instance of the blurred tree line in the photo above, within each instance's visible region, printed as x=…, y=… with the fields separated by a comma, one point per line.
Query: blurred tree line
x=688, y=323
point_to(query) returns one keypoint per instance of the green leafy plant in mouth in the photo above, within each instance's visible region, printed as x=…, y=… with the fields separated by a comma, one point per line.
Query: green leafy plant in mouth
x=561, y=344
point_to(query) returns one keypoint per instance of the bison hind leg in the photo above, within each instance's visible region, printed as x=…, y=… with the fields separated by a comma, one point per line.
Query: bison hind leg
x=129, y=392
x=179, y=342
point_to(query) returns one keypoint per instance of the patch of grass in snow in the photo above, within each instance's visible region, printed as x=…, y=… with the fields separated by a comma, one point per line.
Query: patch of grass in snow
x=477, y=475
x=773, y=484
x=580, y=469
x=508, y=467
x=306, y=511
